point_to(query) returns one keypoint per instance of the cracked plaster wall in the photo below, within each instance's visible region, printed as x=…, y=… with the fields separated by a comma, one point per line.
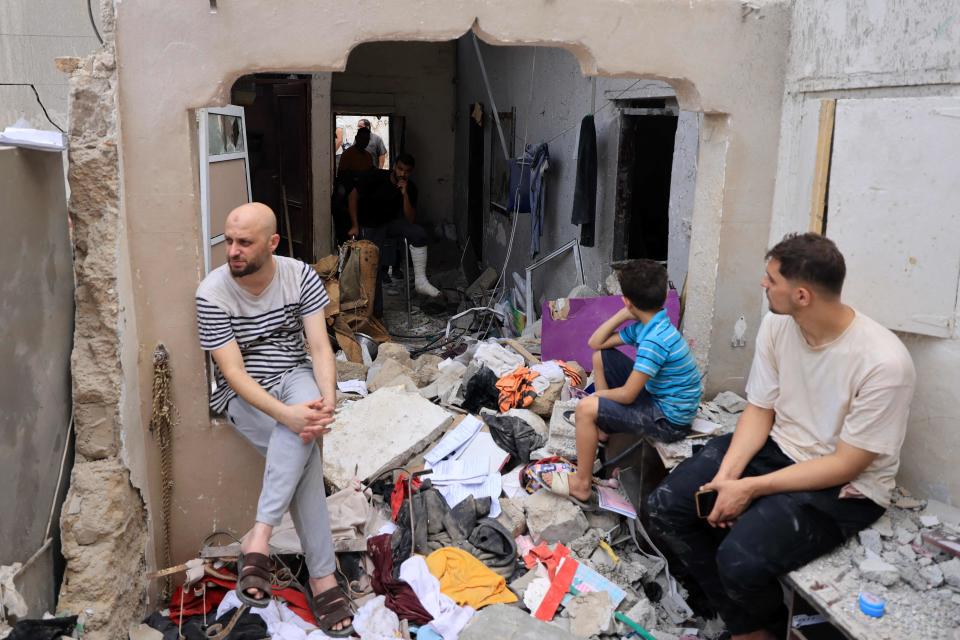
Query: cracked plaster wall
x=849, y=49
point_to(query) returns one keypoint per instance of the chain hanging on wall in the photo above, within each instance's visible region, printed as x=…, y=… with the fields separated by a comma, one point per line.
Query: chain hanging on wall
x=162, y=419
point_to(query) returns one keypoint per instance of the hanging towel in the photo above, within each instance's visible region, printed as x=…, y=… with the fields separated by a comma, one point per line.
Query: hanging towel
x=585, y=192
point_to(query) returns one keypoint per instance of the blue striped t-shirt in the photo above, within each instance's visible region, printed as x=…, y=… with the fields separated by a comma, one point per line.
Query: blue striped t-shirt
x=663, y=354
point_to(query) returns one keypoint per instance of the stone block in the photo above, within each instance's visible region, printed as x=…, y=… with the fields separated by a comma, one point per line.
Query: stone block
x=511, y=517
x=870, y=539
x=351, y=371
x=504, y=622
x=730, y=402
x=425, y=369
x=544, y=403
x=381, y=374
x=933, y=574
x=589, y=613
x=643, y=613
x=385, y=429
x=878, y=570
x=551, y=518
x=951, y=572
x=394, y=351
x=883, y=526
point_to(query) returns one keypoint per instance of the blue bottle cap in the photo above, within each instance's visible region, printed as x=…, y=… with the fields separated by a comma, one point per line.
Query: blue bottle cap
x=871, y=604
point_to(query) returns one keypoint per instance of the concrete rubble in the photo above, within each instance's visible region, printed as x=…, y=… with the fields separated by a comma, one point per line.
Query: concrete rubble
x=551, y=518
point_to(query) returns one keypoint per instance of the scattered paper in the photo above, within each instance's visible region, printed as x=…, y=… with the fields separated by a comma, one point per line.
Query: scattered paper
x=353, y=386
x=511, y=484
x=455, y=441
x=465, y=470
x=612, y=500
x=483, y=447
x=488, y=487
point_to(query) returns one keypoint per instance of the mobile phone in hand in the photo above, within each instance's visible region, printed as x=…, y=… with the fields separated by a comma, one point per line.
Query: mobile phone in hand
x=705, y=501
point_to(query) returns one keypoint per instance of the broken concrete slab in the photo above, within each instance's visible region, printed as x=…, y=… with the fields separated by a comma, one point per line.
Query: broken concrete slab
x=590, y=614
x=933, y=574
x=730, y=402
x=884, y=526
x=562, y=435
x=383, y=430
x=551, y=518
x=585, y=545
x=505, y=622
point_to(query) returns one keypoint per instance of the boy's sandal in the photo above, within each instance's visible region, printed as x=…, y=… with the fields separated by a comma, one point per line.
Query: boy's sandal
x=560, y=485
x=330, y=607
x=254, y=572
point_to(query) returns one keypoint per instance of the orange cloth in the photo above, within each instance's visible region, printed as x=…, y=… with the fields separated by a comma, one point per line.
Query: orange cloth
x=571, y=373
x=467, y=580
x=516, y=388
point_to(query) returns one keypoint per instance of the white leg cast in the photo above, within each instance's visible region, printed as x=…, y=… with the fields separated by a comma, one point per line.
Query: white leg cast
x=420, y=282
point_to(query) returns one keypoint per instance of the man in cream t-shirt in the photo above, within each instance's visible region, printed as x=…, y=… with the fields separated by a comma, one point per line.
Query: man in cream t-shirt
x=814, y=456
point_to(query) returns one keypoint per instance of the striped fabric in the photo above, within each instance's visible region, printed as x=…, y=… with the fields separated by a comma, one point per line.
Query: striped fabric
x=663, y=354
x=268, y=328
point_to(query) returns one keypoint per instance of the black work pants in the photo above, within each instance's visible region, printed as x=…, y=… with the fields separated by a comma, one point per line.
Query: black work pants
x=737, y=568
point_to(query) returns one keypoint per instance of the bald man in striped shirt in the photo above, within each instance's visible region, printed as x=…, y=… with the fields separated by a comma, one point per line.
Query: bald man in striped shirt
x=252, y=314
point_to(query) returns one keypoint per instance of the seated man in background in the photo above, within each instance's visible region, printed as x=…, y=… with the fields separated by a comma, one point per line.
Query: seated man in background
x=814, y=456
x=656, y=394
x=383, y=205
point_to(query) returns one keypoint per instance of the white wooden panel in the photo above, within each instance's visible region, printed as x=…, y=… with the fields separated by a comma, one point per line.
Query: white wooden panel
x=894, y=209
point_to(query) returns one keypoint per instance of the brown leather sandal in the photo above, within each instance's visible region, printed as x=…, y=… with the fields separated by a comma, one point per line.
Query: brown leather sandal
x=330, y=607
x=254, y=571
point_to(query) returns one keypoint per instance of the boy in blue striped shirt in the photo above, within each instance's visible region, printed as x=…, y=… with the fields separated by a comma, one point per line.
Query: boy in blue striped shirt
x=655, y=395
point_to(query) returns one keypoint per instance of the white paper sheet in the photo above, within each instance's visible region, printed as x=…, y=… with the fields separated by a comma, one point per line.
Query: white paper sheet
x=464, y=470
x=455, y=441
x=489, y=487
x=353, y=386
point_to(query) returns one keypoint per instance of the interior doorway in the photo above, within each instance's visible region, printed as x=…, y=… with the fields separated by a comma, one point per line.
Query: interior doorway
x=277, y=111
x=346, y=126
x=644, y=164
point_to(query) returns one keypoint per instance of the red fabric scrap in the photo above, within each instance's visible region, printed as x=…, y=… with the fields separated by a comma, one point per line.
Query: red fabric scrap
x=400, y=597
x=217, y=589
x=400, y=494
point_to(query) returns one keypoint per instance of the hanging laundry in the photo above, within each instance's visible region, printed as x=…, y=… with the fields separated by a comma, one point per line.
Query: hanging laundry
x=537, y=158
x=467, y=580
x=516, y=389
x=585, y=190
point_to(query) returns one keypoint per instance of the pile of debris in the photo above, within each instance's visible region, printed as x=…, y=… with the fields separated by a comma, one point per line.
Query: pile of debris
x=910, y=558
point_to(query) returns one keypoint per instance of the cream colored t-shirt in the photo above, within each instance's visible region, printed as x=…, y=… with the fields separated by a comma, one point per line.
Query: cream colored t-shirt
x=856, y=388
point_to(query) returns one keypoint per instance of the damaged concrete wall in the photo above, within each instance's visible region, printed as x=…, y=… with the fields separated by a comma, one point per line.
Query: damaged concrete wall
x=860, y=49
x=722, y=58
x=414, y=80
x=104, y=520
x=36, y=304
x=551, y=95
x=32, y=34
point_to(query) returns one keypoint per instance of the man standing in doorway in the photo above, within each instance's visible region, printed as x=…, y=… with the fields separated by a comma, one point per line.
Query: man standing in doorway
x=384, y=205
x=375, y=147
x=814, y=456
x=252, y=314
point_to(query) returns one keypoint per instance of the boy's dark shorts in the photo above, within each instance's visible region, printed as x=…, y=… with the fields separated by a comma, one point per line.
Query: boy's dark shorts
x=643, y=417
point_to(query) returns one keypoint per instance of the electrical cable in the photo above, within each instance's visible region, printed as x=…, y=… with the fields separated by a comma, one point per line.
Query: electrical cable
x=93, y=22
x=39, y=101
x=609, y=103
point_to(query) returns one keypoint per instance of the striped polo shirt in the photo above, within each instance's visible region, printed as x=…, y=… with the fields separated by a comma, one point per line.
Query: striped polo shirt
x=663, y=354
x=268, y=327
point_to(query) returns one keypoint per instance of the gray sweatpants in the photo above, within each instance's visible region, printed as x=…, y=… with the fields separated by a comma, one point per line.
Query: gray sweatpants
x=293, y=475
